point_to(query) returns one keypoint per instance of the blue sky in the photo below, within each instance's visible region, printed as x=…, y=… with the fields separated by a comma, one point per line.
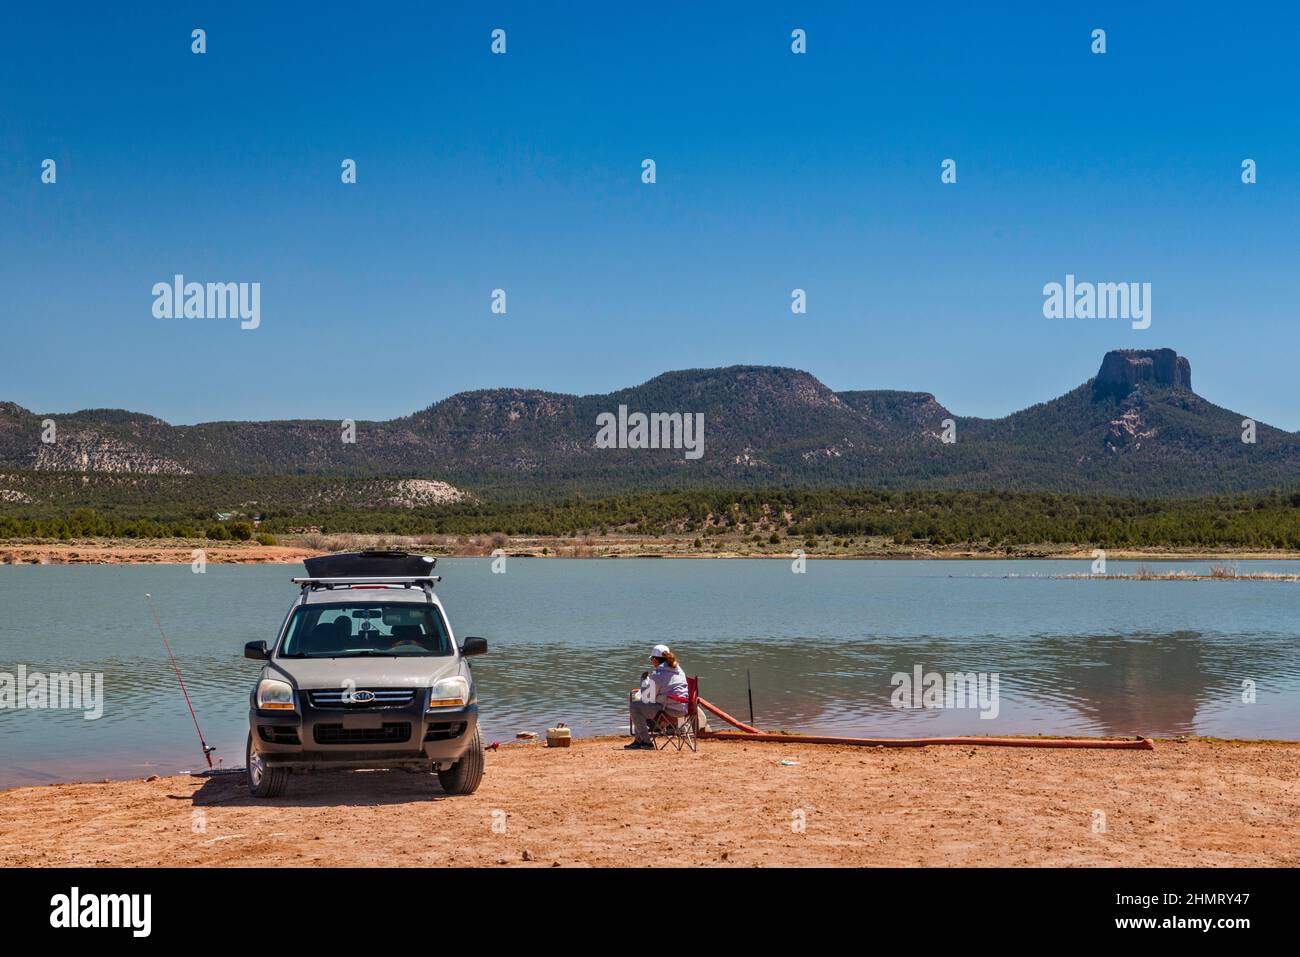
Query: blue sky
x=522, y=171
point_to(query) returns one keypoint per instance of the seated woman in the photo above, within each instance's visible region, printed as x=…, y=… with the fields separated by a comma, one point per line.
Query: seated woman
x=670, y=694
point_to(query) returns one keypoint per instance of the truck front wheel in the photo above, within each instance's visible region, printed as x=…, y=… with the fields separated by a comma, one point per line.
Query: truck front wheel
x=465, y=775
x=263, y=781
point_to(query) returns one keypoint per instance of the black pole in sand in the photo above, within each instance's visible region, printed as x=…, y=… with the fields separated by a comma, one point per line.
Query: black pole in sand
x=750, y=689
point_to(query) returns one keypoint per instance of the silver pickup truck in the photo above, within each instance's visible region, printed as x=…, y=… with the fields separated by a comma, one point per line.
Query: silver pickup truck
x=365, y=673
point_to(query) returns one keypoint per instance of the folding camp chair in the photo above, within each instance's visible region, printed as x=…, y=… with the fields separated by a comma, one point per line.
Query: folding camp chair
x=679, y=729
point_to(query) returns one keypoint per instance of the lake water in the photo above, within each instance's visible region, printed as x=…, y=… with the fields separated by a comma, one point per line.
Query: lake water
x=568, y=638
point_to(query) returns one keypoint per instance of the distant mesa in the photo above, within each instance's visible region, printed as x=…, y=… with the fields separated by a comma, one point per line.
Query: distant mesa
x=1123, y=370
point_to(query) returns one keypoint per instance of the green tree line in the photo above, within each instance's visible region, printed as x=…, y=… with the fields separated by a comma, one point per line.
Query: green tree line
x=994, y=518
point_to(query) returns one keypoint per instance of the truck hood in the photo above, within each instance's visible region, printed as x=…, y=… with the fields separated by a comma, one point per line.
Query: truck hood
x=321, y=673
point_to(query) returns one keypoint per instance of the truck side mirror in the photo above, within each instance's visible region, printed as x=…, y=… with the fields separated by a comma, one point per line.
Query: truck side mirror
x=257, y=651
x=473, y=646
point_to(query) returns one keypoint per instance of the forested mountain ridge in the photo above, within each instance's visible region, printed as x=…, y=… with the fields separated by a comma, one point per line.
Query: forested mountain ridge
x=1136, y=428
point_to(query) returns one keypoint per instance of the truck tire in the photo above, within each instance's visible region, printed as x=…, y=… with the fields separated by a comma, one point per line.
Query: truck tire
x=466, y=774
x=263, y=782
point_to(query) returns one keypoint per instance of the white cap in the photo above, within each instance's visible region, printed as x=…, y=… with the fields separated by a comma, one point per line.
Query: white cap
x=659, y=651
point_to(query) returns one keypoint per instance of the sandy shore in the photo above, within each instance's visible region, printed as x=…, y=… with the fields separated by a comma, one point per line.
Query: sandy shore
x=294, y=548
x=153, y=552
x=1197, y=803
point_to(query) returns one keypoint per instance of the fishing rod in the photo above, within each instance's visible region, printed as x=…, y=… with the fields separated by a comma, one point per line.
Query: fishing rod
x=207, y=748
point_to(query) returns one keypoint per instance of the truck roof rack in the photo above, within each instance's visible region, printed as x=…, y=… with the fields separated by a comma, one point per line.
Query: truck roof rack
x=347, y=582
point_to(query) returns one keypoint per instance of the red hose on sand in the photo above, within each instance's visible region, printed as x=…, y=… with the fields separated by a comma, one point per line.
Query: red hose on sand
x=753, y=734
x=1138, y=744
x=726, y=717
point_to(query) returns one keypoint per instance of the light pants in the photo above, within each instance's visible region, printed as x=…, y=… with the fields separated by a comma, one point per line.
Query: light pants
x=643, y=713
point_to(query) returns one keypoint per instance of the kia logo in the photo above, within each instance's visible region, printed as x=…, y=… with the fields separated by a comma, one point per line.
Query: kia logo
x=361, y=697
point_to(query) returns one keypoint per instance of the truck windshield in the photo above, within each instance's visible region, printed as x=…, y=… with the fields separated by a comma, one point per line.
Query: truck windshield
x=354, y=630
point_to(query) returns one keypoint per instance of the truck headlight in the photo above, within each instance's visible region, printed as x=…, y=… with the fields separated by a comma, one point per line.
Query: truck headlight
x=273, y=695
x=449, y=693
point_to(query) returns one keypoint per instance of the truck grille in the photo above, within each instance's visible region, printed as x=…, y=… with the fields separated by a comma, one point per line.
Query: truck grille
x=395, y=732
x=383, y=698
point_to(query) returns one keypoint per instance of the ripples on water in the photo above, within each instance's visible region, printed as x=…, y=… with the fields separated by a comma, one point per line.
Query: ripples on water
x=568, y=639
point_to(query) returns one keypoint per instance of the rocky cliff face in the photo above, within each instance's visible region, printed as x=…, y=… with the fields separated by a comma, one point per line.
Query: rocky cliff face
x=1123, y=370
x=89, y=451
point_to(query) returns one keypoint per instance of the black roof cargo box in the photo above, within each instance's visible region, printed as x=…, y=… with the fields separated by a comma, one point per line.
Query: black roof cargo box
x=370, y=564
